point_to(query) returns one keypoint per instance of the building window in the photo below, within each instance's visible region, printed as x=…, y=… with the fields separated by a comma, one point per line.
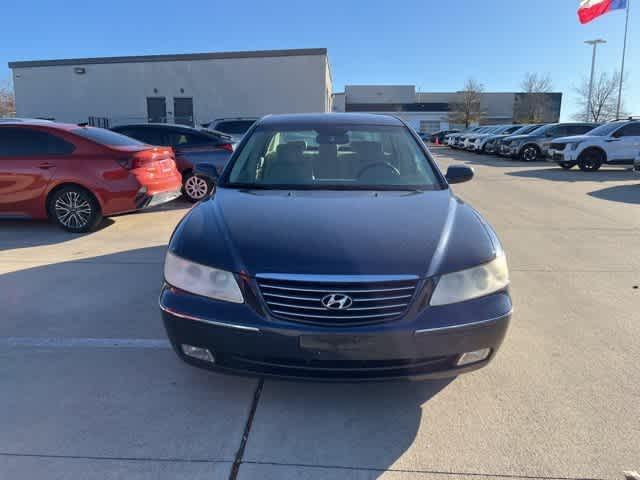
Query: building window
x=427, y=126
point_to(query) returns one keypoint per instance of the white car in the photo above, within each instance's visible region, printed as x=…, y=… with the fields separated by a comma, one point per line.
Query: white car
x=615, y=143
x=469, y=139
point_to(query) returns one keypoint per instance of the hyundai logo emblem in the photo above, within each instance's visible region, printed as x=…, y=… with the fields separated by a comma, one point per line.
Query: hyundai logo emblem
x=337, y=301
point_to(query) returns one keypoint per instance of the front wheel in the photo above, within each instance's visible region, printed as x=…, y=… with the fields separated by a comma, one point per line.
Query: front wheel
x=530, y=153
x=590, y=160
x=196, y=187
x=75, y=209
x=567, y=165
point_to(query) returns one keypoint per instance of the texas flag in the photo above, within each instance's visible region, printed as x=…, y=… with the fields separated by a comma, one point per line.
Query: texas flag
x=592, y=9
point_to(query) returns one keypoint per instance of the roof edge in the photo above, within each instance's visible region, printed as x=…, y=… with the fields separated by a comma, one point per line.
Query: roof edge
x=170, y=58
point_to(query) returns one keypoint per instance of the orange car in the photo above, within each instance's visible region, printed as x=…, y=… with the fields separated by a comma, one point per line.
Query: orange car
x=75, y=175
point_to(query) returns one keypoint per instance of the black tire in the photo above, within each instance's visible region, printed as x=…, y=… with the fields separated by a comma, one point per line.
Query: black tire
x=530, y=153
x=195, y=187
x=567, y=165
x=74, y=209
x=591, y=160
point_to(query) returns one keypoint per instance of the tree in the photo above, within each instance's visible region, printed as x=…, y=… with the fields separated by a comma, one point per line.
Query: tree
x=536, y=100
x=604, y=98
x=7, y=99
x=466, y=109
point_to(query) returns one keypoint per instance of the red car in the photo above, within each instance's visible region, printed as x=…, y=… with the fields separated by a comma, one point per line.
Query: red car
x=75, y=175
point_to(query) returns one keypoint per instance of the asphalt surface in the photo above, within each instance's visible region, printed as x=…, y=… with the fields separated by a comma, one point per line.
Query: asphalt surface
x=89, y=388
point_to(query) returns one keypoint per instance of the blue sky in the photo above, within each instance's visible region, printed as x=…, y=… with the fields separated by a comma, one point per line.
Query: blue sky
x=435, y=45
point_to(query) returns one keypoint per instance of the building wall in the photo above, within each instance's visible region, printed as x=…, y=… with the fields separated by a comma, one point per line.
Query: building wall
x=224, y=87
x=430, y=111
x=380, y=93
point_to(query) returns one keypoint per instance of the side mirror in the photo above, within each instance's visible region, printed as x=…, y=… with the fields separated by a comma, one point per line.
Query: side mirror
x=459, y=174
x=206, y=170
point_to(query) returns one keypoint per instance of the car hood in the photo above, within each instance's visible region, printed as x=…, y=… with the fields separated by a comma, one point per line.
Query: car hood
x=334, y=233
x=523, y=137
x=573, y=138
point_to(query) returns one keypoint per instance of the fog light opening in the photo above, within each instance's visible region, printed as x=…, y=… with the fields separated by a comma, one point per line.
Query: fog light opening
x=473, y=357
x=198, y=353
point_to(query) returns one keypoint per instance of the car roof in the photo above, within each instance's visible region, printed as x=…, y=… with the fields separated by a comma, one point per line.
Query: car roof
x=157, y=125
x=330, y=118
x=21, y=122
x=242, y=119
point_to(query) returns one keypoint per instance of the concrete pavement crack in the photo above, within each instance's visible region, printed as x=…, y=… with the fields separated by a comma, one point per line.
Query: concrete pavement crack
x=247, y=430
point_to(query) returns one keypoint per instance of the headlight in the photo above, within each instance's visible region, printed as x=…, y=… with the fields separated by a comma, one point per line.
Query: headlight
x=206, y=281
x=472, y=283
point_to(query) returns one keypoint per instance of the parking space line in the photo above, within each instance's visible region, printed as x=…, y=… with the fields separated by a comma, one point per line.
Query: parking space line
x=66, y=342
x=445, y=474
x=116, y=459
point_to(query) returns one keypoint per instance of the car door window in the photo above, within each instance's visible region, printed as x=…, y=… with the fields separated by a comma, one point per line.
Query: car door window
x=23, y=142
x=152, y=136
x=631, y=130
x=188, y=139
x=580, y=129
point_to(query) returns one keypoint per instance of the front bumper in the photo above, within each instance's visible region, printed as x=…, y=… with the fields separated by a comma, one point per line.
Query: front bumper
x=244, y=341
x=561, y=156
x=146, y=201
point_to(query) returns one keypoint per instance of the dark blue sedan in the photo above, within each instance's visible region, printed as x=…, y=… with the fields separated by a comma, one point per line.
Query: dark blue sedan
x=334, y=249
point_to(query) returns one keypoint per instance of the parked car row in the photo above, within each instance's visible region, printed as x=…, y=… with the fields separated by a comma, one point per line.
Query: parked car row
x=587, y=145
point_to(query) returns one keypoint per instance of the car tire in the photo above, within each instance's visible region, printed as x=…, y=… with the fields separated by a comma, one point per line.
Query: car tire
x=591, y=160
x=74, y=209
x=567, y=165
x=530, y=153
x=195, y=187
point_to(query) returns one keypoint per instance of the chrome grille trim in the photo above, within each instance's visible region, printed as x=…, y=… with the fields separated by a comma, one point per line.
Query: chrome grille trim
x=264, y=285
x=298, y=298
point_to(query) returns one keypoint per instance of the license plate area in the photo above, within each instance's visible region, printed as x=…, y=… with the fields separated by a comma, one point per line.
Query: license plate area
x=338, y=342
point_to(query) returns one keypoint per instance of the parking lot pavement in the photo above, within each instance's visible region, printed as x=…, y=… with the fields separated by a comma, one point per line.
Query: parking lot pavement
x=95, y=392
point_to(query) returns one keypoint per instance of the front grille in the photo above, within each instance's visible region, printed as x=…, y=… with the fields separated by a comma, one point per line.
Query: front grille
x=558, y=146
x=302, y=300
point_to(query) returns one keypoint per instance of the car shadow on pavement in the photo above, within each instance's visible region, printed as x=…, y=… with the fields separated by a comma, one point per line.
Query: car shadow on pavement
x=366, y=426
x=18, y=234
x=560, y=175
x=620, y=193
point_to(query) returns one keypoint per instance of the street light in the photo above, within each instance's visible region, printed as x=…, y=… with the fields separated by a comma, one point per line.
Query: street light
x=593, y=66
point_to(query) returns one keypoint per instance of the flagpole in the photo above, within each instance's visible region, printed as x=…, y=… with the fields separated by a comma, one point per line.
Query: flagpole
x=624, y=52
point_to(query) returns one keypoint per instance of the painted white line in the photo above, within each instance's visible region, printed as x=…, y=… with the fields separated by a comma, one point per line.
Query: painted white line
x=62, y=342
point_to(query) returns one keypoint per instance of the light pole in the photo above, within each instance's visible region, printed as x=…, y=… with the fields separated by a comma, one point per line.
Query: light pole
x=593, y=67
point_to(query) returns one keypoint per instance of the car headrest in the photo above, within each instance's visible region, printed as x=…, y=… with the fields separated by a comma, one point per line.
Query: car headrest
x=371, y=151
x=290, y=151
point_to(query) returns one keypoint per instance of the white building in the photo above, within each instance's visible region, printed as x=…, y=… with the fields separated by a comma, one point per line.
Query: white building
x=187, y=88
x=429, y=112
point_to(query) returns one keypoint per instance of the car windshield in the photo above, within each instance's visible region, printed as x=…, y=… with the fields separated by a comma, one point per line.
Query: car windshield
x=604, y=130
x=526, y=129
x=234, y=127
x=540, y=130
x=344, y=157
x=107, y=137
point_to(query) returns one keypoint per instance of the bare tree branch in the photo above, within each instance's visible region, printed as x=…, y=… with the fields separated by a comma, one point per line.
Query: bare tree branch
x=604, y=98
x=7, y=99
x=535, y=101
x=466, y=109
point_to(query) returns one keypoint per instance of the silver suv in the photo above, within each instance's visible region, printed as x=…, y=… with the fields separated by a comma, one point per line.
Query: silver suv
x=615, y=143
x=535, y=145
